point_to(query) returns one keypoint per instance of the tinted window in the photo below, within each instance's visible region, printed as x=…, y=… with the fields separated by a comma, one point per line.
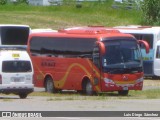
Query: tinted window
x=67, y=47
x=96, y=56
x=14, y=35
x=147, y=37
x=122, y=56
x=16, y=66
x=158, y=52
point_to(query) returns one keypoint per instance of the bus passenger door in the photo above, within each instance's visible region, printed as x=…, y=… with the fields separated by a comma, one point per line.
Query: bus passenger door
x=96, y=67
x=156, y=66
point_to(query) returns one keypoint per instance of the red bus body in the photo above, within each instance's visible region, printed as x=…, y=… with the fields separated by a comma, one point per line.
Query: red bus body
x=70, y=71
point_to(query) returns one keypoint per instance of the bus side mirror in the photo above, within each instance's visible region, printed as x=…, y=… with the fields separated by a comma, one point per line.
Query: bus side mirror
x=101, y=47
x=146, y=45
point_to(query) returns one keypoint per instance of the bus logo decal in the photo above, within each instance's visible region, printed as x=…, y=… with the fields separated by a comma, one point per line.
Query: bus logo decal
x=48, y=63
x=125, y=77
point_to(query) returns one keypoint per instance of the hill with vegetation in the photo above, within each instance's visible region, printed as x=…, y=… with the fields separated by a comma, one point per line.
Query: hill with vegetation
x=68, y=15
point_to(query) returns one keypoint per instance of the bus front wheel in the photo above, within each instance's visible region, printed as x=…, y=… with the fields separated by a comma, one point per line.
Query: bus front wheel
x=123, y=92
x=89, y=88
x=49, y=85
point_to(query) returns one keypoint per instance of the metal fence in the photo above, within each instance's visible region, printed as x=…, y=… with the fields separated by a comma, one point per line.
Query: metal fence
x=127, y=4
x=61, y=2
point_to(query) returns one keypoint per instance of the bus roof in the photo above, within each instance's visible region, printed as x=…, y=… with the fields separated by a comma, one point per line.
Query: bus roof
x=88, y=32
x=43, y=30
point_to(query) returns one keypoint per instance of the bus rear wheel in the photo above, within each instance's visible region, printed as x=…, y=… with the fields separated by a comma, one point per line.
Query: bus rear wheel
x=49, y=85
x=123, y=92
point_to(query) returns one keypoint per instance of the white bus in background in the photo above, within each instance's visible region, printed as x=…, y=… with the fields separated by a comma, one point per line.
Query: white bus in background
x=45, y=2
x=128, y=4
x=16, y=71
x=43, y=30
x=12, y=34
x=151, y=61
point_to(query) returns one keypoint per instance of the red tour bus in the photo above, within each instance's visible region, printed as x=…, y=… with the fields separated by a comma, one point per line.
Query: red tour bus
x=87, y=59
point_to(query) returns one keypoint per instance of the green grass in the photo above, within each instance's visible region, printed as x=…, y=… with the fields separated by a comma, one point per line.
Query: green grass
x=146, y=94
x=68, y=96
x=56, y=17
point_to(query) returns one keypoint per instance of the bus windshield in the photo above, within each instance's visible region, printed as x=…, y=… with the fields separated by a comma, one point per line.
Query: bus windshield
x=146, y=37
x=14, y=35
x=122, y=56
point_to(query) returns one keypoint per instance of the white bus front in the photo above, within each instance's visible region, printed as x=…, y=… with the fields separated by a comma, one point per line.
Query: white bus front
x=151, y=63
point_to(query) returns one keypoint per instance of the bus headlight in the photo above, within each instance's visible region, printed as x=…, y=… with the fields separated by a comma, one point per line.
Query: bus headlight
x=108, y=81
x=139, y=80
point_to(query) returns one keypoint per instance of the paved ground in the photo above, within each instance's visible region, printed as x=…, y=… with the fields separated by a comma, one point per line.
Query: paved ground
x=81, y=103
x=36, y=103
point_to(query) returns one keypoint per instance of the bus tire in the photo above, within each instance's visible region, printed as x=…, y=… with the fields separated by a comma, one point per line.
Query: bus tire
x=123, y=92
x=23, y=95
x=49, y=85
x=89, y=88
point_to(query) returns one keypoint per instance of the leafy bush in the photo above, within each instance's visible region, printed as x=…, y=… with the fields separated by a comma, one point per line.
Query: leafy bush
x=151, y=12
x=2, y=2
x=22, y=1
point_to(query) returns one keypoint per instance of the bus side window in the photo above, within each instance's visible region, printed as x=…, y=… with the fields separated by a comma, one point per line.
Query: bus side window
x=96, y=56
x=158, y=52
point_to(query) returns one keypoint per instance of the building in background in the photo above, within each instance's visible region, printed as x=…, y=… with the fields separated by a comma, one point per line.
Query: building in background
x=58, y=2
x=128, y=4
x=39, y=2
x=45, y=2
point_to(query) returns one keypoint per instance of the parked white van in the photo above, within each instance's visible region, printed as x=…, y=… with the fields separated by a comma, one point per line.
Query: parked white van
x=16, y=71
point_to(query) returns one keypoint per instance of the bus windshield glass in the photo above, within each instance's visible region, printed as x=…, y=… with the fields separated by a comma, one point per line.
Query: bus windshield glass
x=122, y=56
x=149, y=38
x=146, y=37
x=14, y=35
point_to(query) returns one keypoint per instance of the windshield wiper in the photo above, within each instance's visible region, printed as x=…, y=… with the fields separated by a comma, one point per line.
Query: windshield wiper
x=123, y=70
x=115, y=70
x=133, y=70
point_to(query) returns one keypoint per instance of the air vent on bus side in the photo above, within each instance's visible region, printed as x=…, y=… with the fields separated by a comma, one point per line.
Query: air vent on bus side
x=88, y=30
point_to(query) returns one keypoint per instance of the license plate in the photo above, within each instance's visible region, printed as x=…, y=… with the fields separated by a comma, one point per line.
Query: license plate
x=17, y=80
x=125, y=88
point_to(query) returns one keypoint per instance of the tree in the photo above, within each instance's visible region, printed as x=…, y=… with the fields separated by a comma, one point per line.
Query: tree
x=151, y=11
x=2, y=2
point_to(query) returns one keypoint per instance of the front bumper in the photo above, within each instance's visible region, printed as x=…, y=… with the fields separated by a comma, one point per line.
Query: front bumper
x=15, y=89
x=113, y=86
